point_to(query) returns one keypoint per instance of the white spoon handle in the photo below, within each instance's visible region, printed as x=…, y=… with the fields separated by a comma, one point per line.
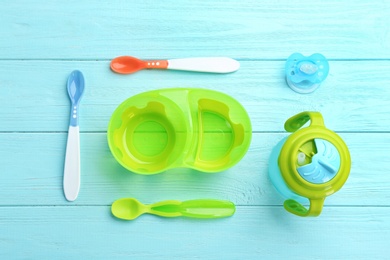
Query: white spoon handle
x=72, y=164
x=210, y=64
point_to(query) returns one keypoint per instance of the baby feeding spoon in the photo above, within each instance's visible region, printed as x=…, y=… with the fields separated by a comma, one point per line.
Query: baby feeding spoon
x=71, y=183
x=130, y=208
x=128, y=64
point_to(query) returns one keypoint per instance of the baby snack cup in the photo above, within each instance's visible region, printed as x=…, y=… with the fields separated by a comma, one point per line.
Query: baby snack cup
x=305, y=74
x=194, y=128
x=312, y=163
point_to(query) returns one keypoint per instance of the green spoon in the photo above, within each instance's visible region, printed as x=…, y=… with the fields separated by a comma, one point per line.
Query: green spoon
x=129, y=208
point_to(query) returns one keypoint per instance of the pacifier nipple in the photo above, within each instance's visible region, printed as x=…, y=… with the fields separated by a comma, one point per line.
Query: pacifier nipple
x=305, y=74
x=308, y=68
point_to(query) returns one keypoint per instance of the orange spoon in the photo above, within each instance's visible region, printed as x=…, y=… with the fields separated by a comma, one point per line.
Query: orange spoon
x=128, y=64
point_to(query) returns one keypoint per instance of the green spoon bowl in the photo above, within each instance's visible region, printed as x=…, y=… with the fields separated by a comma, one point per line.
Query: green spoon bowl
x=130, y=208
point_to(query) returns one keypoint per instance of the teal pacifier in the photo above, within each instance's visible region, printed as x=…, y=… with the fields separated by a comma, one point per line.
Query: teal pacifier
x=305, y=74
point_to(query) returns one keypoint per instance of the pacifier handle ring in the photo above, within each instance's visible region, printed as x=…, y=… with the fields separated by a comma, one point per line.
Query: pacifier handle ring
x=298, y=209
x=295, y=122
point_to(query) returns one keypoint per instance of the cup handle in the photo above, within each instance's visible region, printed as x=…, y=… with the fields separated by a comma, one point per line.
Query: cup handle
x=295, y=122
x=296, y=208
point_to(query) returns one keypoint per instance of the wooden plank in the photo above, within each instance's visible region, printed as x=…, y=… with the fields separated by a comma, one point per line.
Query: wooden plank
x=253, y=232
x=32, y=168
x=42, y=42
x=352, y=99
x=149, y=29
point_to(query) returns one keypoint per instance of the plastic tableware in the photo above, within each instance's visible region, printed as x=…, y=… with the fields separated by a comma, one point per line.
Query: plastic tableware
x=71, y=182
x=305, y=74
x=128, y=64
x=312, y=163
x=195, y=128
x=130, y=208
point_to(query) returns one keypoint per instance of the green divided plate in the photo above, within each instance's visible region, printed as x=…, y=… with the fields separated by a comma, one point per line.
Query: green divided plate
x=195, y=128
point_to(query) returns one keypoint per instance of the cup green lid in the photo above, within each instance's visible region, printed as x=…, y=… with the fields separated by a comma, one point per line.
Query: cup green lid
x=324, y=174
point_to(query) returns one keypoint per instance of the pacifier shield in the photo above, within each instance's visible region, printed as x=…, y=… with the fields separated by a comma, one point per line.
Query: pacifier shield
x=305, y=74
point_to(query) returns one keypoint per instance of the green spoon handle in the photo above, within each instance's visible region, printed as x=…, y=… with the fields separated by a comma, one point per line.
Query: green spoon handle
x=201, y=208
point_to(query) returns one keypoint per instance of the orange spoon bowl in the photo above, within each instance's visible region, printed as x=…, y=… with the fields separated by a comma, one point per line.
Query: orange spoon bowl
x=128, y=64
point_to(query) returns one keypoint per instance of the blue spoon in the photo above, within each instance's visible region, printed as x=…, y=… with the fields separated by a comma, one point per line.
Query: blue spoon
x=71, y=183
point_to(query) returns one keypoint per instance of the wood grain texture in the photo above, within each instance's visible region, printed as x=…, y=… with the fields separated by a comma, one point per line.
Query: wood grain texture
x=352, y=99
x=42, y=42
x=252, y=233
x=239, y=29
x=37, y=173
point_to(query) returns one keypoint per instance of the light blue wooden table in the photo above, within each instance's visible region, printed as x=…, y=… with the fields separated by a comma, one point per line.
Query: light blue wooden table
x=42, y=42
